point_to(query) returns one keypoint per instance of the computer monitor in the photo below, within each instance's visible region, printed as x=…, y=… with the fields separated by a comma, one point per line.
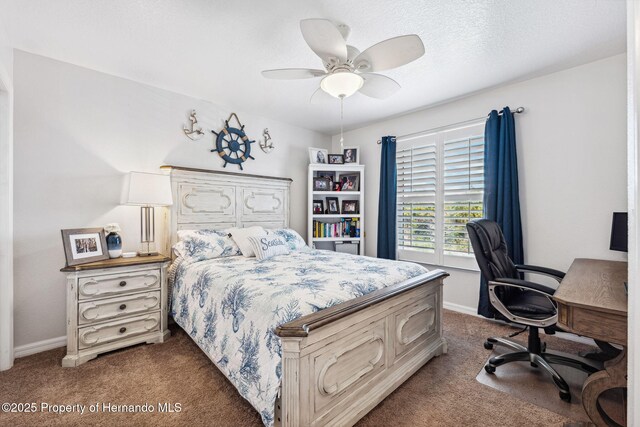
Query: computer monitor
x=619, y=232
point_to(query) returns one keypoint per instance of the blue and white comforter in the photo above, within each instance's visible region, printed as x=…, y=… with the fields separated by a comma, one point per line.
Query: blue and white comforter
x=231, y=306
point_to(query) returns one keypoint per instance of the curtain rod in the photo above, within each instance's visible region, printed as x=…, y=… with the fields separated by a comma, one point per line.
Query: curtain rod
x=518, y=110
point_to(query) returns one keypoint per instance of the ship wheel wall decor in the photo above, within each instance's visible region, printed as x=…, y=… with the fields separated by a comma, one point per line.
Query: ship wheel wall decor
x=232, y=144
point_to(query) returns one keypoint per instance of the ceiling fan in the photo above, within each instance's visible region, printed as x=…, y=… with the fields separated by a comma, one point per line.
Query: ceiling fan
x=347, y=70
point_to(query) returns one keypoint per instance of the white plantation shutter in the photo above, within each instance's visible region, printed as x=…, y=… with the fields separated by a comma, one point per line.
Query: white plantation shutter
x=417, y=170
x=440, y=188
x=463, y=172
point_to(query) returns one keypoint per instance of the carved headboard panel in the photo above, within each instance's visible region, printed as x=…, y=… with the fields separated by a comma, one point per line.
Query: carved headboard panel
x=214, y=199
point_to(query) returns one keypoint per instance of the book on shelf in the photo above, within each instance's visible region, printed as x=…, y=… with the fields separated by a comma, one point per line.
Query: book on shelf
x=346, y=227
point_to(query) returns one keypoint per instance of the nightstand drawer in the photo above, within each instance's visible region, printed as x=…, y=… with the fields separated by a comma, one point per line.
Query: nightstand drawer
x=112, y=308
x=113, y=284
x=92, y=336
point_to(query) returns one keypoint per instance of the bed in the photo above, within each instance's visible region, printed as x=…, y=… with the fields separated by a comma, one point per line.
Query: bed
x=309, y=338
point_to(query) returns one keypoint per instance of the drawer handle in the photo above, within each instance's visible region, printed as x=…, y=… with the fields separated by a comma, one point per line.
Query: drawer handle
x=123, y=306
x=123, y=283
x=123, y=330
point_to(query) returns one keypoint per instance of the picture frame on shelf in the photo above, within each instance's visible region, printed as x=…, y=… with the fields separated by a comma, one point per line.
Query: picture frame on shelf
x=329, y=175
x=350, y=207
x=318, y=155
x=333, y=207
x=84, y=245
x=321, y=184
x=349, y=181
x=351, y=155
x=318, y=207
x=336, y=159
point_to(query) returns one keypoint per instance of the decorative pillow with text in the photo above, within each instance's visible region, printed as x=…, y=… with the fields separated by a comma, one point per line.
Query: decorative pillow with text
x=241, y=236
x=268, y=246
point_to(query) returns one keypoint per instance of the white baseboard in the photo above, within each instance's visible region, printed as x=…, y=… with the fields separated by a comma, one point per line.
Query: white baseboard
x=39, y=346
x=460, y=308
x=44, y=345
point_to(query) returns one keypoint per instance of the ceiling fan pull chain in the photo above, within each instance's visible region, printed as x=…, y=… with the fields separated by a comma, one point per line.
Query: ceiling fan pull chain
x=341, y=120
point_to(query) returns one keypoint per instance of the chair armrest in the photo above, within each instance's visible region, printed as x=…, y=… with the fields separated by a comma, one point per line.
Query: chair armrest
x=556, y=274
x=524, y=284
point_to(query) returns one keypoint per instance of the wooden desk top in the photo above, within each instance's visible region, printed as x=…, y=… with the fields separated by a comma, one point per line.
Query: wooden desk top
x=595, y=284
x=117, y=262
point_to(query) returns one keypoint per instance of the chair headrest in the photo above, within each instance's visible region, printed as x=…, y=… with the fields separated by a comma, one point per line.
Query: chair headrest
x=489, y=234
x=490, y=249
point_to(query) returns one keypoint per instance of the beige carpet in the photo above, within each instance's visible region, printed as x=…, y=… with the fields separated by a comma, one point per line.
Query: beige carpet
x=535, y=386
x=444, y=392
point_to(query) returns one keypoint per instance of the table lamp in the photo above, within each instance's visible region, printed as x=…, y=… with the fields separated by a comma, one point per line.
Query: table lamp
x=147, y=190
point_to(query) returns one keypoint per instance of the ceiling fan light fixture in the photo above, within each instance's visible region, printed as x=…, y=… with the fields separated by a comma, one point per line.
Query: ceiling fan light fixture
x=342, y=84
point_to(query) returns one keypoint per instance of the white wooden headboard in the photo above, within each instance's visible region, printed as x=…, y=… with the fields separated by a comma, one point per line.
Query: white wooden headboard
x=215, y=199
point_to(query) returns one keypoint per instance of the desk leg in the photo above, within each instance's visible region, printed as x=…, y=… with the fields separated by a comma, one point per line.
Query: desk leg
x=614, y=375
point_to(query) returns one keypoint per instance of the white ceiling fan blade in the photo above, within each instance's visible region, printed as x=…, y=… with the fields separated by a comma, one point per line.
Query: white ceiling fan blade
x=390, y=54
x=324, y=38
x=321, y=97
x=293, y=73
x=352, y=53
x=378, y=86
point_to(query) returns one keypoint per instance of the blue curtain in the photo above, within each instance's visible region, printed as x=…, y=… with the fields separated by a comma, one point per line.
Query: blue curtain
x=501, y=196
x=387, y=200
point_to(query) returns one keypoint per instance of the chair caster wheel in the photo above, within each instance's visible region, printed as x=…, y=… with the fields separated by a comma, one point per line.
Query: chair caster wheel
x=488, y=345
x=565, y=396
x=490, y=369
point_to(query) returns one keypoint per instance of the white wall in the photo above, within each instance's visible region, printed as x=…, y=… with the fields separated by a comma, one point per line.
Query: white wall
x=6, y=202
x=77, y=132
x=571, y=144
x=633, y=155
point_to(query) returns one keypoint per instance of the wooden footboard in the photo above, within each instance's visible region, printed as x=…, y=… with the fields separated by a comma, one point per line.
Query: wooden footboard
x=339, y=363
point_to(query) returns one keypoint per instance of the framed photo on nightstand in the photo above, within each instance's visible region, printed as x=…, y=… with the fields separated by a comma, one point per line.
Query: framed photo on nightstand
x=83, y=245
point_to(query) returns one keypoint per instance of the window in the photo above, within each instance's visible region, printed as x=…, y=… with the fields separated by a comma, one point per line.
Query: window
x=440, y=188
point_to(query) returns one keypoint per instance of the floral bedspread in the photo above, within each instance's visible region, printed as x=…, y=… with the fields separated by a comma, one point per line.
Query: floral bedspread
x=231, y=306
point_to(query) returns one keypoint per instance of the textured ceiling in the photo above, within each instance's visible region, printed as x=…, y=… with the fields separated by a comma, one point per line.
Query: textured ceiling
x=215, y=50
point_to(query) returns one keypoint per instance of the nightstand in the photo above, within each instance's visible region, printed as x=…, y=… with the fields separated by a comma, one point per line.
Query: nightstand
x=113, y=304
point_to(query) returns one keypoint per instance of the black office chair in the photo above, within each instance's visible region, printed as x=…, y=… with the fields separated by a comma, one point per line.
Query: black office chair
x=519, y=301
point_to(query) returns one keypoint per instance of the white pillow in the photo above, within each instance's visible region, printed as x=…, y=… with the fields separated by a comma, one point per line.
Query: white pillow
x=240, y=236
x=198, y=245
x=293, y=239
x=268, y=246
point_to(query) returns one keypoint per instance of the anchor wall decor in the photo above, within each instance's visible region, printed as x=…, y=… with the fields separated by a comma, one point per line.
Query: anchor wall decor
x=194, y=133
x=267, y=144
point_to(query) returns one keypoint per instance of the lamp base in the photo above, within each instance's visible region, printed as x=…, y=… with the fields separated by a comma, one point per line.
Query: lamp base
x=147, y=253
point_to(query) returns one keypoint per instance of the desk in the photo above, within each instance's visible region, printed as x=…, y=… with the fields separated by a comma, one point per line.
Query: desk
x=592, y=302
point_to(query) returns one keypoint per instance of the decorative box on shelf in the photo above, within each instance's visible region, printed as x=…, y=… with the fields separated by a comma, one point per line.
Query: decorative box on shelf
x=113, y=304
x=336, y=206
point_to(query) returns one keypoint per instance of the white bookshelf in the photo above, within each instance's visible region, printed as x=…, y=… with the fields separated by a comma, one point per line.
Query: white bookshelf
x=316, y=170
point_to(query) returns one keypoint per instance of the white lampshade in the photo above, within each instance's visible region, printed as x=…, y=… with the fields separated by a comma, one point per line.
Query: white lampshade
x=342, y=84
x=147, y=189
